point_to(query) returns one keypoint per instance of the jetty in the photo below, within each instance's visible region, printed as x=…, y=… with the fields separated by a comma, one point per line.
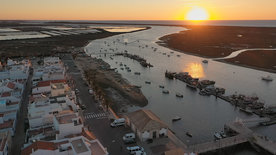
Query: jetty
x=141, y=60
x=242, y=135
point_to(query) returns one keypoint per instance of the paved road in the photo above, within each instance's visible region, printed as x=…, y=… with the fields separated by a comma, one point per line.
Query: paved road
x=19, y=136
x=95, y=118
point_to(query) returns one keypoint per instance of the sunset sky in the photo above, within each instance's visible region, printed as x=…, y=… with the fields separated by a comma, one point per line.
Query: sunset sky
x=135, y=9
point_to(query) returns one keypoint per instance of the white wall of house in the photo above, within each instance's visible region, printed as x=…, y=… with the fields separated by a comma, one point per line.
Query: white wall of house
x=39, y=90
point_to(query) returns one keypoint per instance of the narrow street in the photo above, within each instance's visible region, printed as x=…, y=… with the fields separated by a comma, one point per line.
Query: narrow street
x=19, y=136
x=95, y=118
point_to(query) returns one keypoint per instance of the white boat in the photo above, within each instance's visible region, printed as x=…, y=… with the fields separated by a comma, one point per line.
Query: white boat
x=176, y=118
x=217, y=135
x=267, y=78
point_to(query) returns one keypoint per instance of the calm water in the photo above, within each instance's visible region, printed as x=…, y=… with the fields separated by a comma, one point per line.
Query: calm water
x=201, y=115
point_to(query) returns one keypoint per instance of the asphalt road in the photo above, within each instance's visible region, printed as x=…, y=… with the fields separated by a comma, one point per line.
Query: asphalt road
x=19, y=137
x=95, y=118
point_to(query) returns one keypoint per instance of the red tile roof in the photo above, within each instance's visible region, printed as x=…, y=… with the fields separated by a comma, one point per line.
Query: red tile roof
x=47, y=83
x=11, y=103
x=42, y=145
x=6, y=124
x=11, y=85
x=6, y=94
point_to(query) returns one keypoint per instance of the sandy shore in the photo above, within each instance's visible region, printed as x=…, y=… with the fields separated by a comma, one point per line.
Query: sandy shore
x=219, y=41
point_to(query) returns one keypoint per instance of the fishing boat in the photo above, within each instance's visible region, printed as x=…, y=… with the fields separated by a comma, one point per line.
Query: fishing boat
x=217, y=135
x=161, y=86
x=179, y=95
x=267, y=78
x=193, y=87
x=248, y=111
x=165, y=92
x=176, y=118
x=147, y=82
x=189, y=134
x=205, y=61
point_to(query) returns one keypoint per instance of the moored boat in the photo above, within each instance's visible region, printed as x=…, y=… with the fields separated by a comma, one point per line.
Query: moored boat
x=179, y=95
x=137, y=73
x=176, y=118
x=147, y=82
x=189, y=134
x=165, y=92
x=267, y=78
x=161, y=86
x=217, y=135
x=191, y=86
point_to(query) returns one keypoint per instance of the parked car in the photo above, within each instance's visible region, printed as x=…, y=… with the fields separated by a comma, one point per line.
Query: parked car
x=140, y=153
x=134, y=149
x=129, y=138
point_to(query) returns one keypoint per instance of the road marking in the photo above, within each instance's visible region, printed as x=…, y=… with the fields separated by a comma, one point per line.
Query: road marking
x=97, y=116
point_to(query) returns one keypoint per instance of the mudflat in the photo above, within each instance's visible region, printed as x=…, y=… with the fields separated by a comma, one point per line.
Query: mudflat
x=221, y=41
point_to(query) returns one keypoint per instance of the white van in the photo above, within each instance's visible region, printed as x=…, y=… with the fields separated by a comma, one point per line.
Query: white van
x=129, y=138
x=118, y=122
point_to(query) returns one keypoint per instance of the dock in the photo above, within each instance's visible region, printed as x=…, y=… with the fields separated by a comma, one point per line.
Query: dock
x=242, y=135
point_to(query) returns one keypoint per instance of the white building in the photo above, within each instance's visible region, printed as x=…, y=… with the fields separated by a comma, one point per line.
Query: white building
x=5, y=142
x=146, y=125
x=44, y=87
x=67, y=123
x=41, y=110
x=79, y=145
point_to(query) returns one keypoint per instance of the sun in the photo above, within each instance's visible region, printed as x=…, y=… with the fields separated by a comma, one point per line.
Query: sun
x=197, y=14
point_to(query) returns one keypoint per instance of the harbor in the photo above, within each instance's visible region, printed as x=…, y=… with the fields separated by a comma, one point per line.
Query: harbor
x=246, y=104
x=207, y=111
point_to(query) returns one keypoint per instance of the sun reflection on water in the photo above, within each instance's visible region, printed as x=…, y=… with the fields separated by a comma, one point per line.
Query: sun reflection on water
x=195, y=70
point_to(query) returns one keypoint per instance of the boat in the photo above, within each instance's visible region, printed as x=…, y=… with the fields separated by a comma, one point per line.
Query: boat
x=189, y=134
x=138, y=86
x=176, y=118
x=137, y=73
x=161, y=86
x=179, y=95
x=165, y=92
x=223, y=135
x=217, y=135
x=205, y=61
x=147, y=82
x=267, y=78
x=250, y=112
x=178, y=55
x=191, y=86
